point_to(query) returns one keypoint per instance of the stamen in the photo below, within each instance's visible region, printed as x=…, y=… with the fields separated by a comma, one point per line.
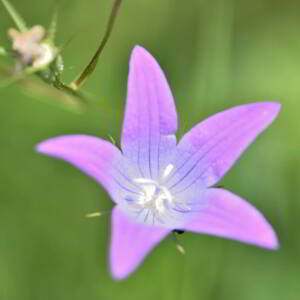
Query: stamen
x=156, y=202
x=168, y=170
x=93, y=214
x=97, y=214
x=167, y=192
x=178, y=246
x=144, y=180
x=180, y=249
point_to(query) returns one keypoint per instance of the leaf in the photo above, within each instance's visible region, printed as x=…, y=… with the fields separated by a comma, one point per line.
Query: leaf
x=15, y=16
x=89, y=69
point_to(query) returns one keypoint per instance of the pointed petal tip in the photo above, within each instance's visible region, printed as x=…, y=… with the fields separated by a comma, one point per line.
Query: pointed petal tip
x=273, y=107
x=266, y=236
x=277, y=105
x=269, y=239
x=45, y=146
x=41, y=147
x=229, y=216
x=118, y=275
x=274, y=245
x=140, y=53
x=270, y=109
x=137, y=49
x=37, y=147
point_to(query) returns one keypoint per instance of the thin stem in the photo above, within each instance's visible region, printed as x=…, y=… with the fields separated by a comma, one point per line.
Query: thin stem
x=15, y=16
x=92, y=64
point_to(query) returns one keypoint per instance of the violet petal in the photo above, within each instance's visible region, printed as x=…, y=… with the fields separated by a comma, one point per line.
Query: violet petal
x=92, y=155
x=150, y=115
x=226, y=215
x=130, y=243
x=207, y=151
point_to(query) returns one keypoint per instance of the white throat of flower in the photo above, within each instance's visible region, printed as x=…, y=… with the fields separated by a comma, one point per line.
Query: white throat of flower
x=154, y=203
x=153, y=196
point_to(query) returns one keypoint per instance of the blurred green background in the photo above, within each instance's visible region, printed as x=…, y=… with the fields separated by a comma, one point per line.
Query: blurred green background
x=216, y=54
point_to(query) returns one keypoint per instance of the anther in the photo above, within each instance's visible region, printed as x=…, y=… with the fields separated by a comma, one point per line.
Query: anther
x=178, y=246
x=97, y=214
x=94, y=214
x=168, y=170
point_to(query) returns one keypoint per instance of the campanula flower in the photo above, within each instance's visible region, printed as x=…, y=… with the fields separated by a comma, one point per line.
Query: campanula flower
x=159, y=185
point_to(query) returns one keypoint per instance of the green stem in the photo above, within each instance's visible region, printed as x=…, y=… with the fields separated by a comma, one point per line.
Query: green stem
x=15, y=16
x=89, y=69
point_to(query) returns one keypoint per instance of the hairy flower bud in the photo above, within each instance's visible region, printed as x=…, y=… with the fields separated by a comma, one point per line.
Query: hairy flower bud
x=31, y=47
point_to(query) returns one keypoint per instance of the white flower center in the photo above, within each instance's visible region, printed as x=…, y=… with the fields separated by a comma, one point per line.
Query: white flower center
x=153, y=196
x=154, y=204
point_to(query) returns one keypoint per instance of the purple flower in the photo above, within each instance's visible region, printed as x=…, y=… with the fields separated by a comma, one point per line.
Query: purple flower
x=159, y=185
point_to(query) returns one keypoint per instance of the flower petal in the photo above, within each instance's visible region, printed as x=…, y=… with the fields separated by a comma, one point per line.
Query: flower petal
x=208, y=150
x=130, y=243
x=150, y=115
x=227, y=215
x=92, y=155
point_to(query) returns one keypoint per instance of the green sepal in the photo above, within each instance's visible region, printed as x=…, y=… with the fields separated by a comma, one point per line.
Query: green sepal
x=52, y=27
